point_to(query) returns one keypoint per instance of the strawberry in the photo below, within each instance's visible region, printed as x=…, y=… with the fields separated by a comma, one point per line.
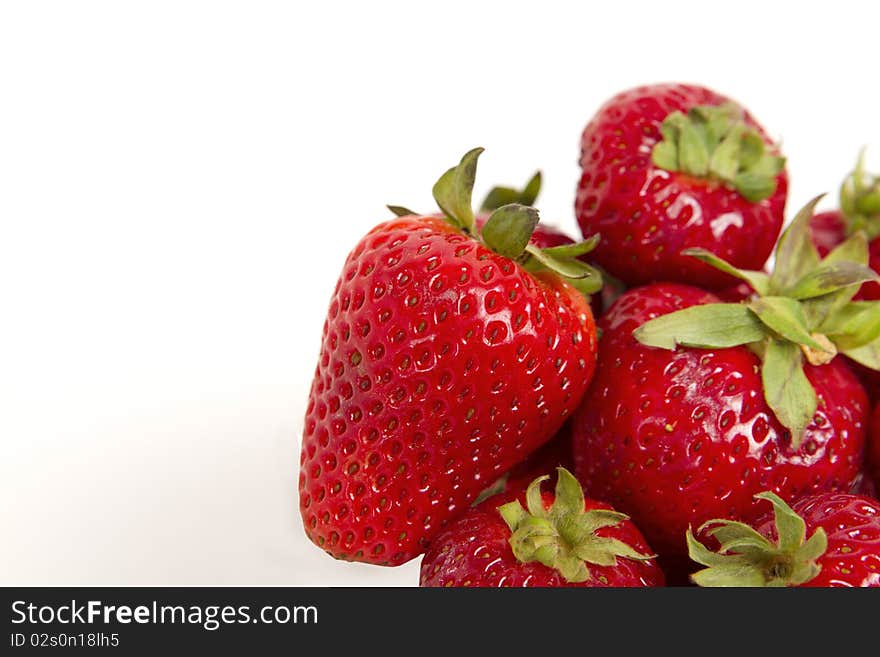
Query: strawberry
x=558, y=539
x=698, y=405
x=448, y=355
x=828, y=539
x=673, y=166
x=859, y=210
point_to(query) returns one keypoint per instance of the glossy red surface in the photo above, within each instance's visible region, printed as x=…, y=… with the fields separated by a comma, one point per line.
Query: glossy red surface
x=442, y=365
x=647, y=215
x=675, y=438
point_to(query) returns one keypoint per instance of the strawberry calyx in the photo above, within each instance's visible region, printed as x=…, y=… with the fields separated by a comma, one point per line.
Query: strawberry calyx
x=860, y=200
x=502, y=195
x=748, y=558
x=509, y=228
x=802, y=312
x=715, y=143
x=563, y=537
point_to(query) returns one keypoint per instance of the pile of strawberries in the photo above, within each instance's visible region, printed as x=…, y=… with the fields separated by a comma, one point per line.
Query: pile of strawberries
x=716, y=415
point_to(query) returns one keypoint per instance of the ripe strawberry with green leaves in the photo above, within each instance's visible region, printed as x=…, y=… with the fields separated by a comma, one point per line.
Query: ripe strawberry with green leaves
x=541, y=539
x=672, y=166
x=827, y=540
x=448, y=355
x=696, y=405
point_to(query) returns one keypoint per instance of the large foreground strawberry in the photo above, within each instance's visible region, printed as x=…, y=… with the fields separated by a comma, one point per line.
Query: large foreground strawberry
x=558, y=539
x=828, y=539
x=448, y=355
x=698, y=406
x=674, y=166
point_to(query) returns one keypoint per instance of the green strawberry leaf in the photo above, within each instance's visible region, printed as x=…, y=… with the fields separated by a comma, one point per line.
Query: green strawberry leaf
x=853, y=249
x=758, y=280
x=564, y=261
x=509, y=229
x=588, y=284
x=665, y=156
x=569, y=268
x=693, y=151
x=715, y=325
x=499, y=196
x=854, y=325
x=733, y=535
x=728, y=576
x=725, y=160
x=573, y=250
x=454, y=189
x=400, y=211
x=786, y=388
x=754, y=187
x=831, y=277
x=790, y=527
x=751, y=150
x=786, y=317
x=826, y=307
x=867, y=355
x=796, y=255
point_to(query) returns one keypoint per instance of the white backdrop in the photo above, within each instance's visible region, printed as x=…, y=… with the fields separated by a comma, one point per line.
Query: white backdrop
x=181, y=181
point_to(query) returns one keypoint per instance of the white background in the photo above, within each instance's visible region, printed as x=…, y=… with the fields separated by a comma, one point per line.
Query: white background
x=180, y=183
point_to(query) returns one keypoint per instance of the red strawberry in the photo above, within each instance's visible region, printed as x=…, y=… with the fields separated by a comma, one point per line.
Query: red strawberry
x=672, y=166
x=829, y=539
x=561, y=540
x=680, y=434
x=447, y=357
